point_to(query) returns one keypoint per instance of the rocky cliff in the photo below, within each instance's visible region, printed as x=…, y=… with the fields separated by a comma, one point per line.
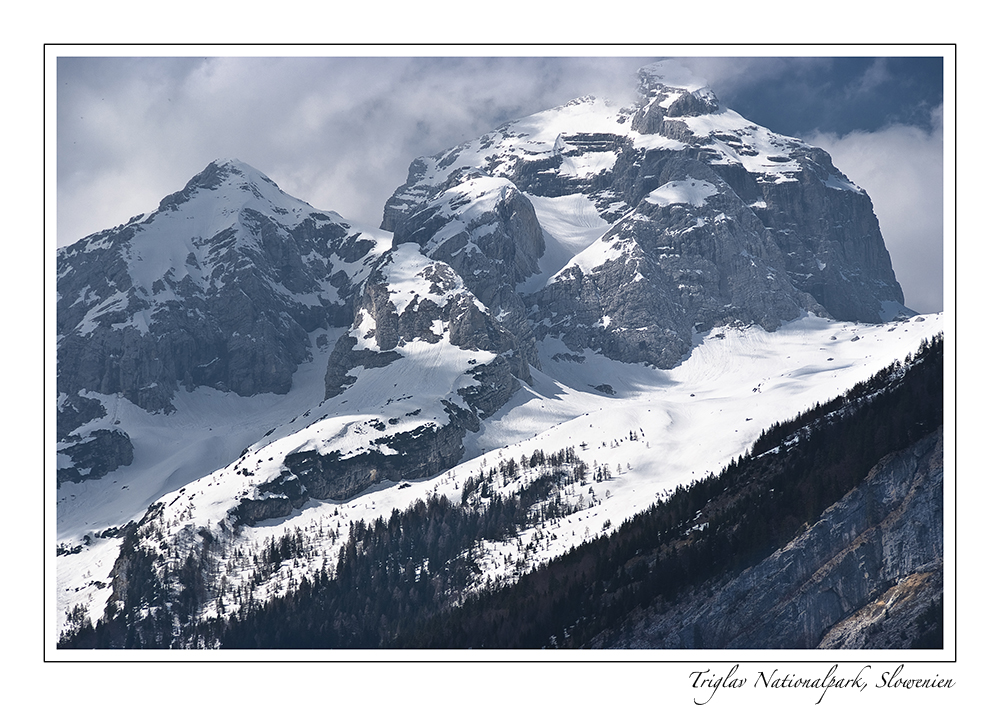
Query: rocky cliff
x=867, y=574
x=416, y=321
x=219, y=286
x=665, y=216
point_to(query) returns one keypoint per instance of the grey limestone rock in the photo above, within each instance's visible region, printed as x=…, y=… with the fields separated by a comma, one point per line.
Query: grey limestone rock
x=493, y=249
x=711, y=219
x=94, y=455
x=407, y=298
x=449, y=310
x=159, y=304
x=835, y=584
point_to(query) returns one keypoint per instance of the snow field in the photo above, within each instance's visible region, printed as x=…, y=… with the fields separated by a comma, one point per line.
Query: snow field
x=659, y=430
x=571, y=224
x=692, y=191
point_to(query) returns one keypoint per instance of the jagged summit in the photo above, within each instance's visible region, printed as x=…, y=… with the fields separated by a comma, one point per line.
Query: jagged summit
x=232, y=172
x=217, y=174
x=227, y=169
x=669, y=87
x=662, y=217
x=240, y=186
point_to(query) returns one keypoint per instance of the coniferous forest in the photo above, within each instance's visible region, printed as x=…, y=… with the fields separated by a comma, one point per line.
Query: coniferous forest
x=402, y=582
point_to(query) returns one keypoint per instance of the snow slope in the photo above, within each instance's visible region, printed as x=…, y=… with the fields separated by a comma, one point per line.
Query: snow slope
x=649, y=429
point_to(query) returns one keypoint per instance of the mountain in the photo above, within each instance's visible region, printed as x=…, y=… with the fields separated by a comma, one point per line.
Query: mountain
x=666, y=216
x=559, y=323
x=218, y=287
x=747, y=558
x=827, y=533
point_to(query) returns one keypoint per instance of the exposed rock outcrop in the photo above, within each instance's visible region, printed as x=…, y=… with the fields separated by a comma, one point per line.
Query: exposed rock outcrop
x=864, y=575
x=218, y=287
x=710, y=219
x=413, y=311
x=408, y=298
x=94, y=455
x=487, y=231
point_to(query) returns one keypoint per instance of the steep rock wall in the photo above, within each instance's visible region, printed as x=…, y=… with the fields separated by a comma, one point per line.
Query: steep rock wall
x=834, y=585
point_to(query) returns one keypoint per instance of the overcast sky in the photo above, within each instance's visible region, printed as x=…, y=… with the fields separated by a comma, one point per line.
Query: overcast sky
x=340, y=132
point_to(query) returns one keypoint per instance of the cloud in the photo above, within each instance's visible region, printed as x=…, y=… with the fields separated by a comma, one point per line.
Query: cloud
x=730, y=75
x=902, y=169
x=337, y=132
x=340, y=132
x=876, y=75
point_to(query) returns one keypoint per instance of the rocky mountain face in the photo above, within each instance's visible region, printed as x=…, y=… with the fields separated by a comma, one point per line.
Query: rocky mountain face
x=415, y=314
x=486, y=230
x=217, y=287
x=667, y=216
x=863, y=576
x=620, y=230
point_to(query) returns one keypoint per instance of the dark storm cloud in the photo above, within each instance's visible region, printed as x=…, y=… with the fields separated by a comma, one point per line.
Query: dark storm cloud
x=797, y=96
x=341, y=132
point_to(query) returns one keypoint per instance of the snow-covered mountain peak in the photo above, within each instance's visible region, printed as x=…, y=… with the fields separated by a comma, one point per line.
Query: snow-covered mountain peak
x=227, y=170
x=218, y=287
x=674, y=201
x=229, y=217
x=231, y=186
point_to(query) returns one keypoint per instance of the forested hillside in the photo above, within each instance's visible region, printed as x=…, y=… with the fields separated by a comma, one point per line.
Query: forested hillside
x=712, y=528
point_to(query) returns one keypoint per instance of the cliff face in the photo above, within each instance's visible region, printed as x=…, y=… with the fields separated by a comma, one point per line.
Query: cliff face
x=867, y=574
x=486, y=230
x=218, y=287
x=416, y=320
x=821, y=223
x=665, y=216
